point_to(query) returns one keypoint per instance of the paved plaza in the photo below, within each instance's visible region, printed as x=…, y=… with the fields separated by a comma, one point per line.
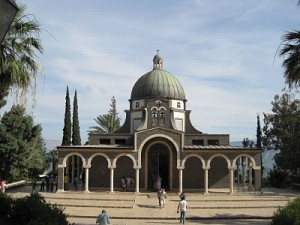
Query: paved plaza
x=126, y=208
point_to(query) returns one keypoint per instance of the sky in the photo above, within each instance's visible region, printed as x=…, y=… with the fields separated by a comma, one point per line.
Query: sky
x=223, y=53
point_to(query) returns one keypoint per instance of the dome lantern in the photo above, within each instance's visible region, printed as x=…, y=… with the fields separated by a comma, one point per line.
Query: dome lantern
x=158, y=61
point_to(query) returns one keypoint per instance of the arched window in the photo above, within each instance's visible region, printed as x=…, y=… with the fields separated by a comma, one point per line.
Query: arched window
x=154, y=117
x=162, y=117
x=137, y=105
x=178, y=105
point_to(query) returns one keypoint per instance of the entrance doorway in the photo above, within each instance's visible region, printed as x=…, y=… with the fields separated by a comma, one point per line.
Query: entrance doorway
x=158, y=167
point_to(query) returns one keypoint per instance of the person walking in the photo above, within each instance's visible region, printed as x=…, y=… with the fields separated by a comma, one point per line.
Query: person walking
x=159, y=194
x=103, y=218
x=182, y=208
x=163, y=197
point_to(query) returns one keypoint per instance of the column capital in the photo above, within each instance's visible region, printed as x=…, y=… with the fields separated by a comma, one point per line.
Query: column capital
x=112, y=167
x=61, y=165
x=86, y=166
x=231, y=167
x=206, y=167
x=180, y=167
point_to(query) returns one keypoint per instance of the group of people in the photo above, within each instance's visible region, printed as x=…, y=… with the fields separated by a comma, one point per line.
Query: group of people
x=50, y=182
x=127, y=183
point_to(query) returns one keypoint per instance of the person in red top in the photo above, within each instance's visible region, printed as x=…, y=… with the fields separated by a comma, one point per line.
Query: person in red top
x=2, y=185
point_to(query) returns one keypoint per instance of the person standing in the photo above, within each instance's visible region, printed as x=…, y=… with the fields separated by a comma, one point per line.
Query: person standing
x=2, y=185
x=42, y=184
x=51, y=183
x=182, y=208
x=33, y=191
x=103, y=218
x=123, y=182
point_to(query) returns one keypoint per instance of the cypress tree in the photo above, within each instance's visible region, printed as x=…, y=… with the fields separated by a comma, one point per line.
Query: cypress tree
x=75, y=126
x=258, y=133
x=67, y=122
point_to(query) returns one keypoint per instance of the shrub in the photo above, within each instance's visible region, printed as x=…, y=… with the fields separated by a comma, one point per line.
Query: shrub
x=5, y=205
x=279, y=178
x=288, y=215
x=33, y=210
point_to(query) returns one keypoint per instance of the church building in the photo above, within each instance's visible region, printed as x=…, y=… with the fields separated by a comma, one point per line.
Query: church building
x=157, y=146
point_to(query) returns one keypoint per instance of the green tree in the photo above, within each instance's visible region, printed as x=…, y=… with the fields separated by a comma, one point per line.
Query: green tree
x=22, y=149
x=18, y=53
x=67, y=122
x=52, y=157
x=109, y=122
x=282, y=131
x=76, y=140
x=258, y=133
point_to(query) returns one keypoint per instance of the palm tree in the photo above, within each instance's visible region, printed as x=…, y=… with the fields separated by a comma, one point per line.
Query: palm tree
x=291, y=62
x=18, y=52
x=52, y=157
x=108, y=123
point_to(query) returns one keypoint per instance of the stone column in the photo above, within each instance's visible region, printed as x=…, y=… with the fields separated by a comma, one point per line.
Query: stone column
x=231, y=175
x=180, y=180
x=60, y=178
x=87, y=167
x=137, y=180
x=206, y=180
x=73, y=169
x=112, y=179
x=257, y=182
x=244, y=171
x=77, y=174
x=250, y=176
x=238, y=162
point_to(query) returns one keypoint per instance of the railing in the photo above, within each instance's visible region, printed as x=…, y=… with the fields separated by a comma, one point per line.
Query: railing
x=295, y=181
x=15, y=184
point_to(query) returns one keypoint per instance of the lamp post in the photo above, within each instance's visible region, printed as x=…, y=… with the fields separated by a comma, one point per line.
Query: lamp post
x=8, y=10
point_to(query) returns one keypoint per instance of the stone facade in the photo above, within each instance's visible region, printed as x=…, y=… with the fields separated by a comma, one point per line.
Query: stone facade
x=157, y=146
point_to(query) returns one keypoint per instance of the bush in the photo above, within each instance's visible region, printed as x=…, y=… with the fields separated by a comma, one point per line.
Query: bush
x=279, y=178
x=5, y=205
x=288, y=215
x=33, y=210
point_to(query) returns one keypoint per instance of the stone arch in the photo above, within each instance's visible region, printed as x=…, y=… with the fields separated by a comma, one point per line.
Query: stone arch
x=193, y=172
x=124, y=165
x=146, y=140
x=114, y=163
x=193, y=155
x=99, y=175
x=219, y=155
x=99, y=154
x=64, y=164
x=246, y=155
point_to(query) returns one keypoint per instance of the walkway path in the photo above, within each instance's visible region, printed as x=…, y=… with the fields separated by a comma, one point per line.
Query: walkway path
x=131, y=209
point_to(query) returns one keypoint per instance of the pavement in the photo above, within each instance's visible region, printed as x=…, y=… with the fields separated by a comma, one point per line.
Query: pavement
x=129, y=208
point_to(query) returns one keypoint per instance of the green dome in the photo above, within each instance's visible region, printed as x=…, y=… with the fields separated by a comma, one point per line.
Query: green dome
x=157, y=83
